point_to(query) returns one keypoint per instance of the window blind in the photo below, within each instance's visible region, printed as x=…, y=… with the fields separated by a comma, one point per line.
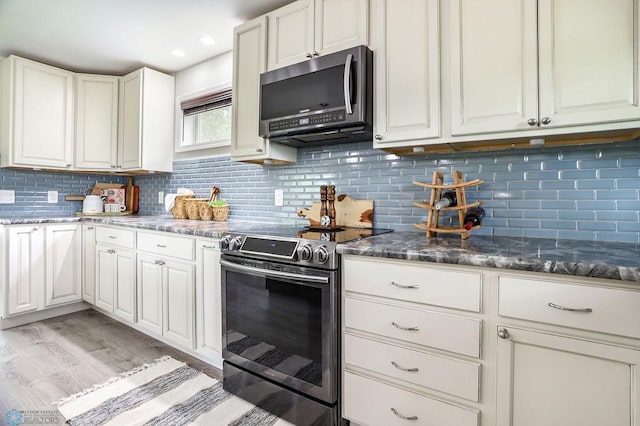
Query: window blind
x=208, y=102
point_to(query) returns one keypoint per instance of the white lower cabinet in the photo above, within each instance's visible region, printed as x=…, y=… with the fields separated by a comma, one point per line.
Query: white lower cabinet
x=116, y=281
x=89, y=264
x=166, y=288
x=208, y=301
x=544, y=379
x=63, y=266
x=25, y=265
x=411, y=355
x=42, y=267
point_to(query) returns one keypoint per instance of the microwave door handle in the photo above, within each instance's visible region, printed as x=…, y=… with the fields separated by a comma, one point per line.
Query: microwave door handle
x=347, y=83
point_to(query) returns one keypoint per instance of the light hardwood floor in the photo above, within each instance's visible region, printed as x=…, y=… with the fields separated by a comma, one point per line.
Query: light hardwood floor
x=48, y=360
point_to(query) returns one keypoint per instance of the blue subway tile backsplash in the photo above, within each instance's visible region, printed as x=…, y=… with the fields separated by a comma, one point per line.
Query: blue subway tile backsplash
x=581, y=192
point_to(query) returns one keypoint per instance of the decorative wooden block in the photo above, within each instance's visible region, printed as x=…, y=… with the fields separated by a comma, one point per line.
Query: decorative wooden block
x=349, y=212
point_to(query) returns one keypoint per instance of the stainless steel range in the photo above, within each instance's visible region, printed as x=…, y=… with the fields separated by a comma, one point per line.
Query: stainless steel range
x=281, y=316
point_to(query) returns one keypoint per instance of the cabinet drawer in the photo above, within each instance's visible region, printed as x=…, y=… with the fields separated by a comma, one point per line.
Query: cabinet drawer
x=369, y=402
x=613, y=311
x=444, y=374
x=115, y=236
x=443, y=331
x=440, y=287
x=166, y=245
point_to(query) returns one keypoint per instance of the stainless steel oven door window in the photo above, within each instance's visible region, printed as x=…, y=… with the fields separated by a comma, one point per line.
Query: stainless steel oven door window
x=280, y=322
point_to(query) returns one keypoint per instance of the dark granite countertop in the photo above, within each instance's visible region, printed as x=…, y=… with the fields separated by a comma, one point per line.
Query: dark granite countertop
x=598, y=259
x=197, y=228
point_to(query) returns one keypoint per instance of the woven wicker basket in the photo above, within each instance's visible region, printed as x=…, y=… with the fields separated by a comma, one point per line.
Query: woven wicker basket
x=193, y=207
x=178, y=210
x=221, y=213
x=206, y=213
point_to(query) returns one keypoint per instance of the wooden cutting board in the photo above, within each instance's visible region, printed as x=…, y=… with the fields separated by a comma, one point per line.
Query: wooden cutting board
x=132, y=194
x=349, y=212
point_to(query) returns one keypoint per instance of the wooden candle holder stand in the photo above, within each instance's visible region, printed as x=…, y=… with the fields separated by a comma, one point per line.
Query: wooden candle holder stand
x=437, y=186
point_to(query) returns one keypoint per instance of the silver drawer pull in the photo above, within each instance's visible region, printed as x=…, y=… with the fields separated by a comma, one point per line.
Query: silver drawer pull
x=393, y=283
x=161, y=245
x=395, y=412
x=562, y=308
x=404, y=328
x=208, y=247
x=404, y=369
x=112, y=237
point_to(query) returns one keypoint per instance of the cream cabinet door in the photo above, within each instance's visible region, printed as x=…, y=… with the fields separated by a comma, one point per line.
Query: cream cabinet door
x=550, y=380
x=25, y=268
x=493, y=59
x=96, y=122
x=149, y=293
x=588, y=61
x=124, y=299
x=249, y=61
x=407, y=83
x=42, y=115
x=130, y=126
x=63, y=264
x=105, y=276
x=179, y=315
x=340, y=24
x=89, y=263
x=291, y=32
x=208, y=300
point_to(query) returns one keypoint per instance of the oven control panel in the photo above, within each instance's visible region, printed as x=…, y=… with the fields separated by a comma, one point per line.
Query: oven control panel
x=296, y=251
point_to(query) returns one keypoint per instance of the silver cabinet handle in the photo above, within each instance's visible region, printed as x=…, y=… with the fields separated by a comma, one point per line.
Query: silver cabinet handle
x=378, y=137
x=35, y=228
x=112, y=237
x=309, y=55
x=111, y=251
x=545, y=120
x=393, y=283
x=532, y=122
x=395, y=412
x=69, y=165
x=113, y=166
x=404, y=369
x=404, y=328
x=315, y=53
x=89, y=228
x=347, y=83
x=208, y=247
x=258, y=149
x=161, y=245
x=563, y=308
x=503, y=333
x=159, y=262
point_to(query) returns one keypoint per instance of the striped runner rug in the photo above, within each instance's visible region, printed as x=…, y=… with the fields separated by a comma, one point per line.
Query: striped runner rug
x=164, y=393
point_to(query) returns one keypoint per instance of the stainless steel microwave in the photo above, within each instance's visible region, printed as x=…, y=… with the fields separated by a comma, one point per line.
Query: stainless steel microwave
x=325, y=100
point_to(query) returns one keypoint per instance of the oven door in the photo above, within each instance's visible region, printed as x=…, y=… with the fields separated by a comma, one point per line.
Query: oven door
x=280, y=322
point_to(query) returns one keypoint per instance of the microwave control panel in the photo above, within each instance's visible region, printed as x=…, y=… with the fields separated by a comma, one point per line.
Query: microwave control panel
x=307, y=120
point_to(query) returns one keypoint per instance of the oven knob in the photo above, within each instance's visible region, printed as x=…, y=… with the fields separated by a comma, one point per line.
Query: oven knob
x=235, y=243
x=320, y=255
x=224, y=242
x=305, y=252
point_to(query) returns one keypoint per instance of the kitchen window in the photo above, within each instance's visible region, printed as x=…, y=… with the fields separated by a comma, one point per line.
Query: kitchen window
x=206, y=121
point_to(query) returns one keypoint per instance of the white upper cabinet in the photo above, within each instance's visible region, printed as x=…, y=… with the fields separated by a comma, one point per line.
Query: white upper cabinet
x=249, y=60
x=145, y=140
x=541, y=64
x=36, y=110
x=307, y=28
x=96, y=122
x=407, y=78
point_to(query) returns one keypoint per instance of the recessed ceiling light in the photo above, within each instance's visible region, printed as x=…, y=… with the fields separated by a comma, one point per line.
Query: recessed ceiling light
x=205, y=39
x=178, y=52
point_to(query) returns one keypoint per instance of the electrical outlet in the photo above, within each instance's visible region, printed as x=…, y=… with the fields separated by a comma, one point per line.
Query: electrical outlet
x=7, y=196
x=160, y=197
x=279, y=197
x=52, y=197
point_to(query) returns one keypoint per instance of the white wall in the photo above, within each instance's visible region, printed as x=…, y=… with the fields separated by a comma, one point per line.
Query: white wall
x=205, y=77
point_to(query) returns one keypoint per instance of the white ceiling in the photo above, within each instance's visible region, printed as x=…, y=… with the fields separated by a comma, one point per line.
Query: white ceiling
x=119, y=36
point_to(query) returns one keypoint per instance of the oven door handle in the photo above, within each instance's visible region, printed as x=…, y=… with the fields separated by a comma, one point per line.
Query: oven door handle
x=279, y=274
